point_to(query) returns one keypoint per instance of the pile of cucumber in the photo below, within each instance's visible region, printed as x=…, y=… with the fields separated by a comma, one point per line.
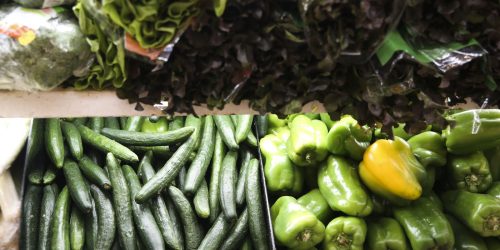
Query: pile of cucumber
x=143, y=183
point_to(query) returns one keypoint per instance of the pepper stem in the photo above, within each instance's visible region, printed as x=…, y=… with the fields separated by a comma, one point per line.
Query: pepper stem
x=473, y=181
x=304, y=235
x=492, y=223
x=343, y=240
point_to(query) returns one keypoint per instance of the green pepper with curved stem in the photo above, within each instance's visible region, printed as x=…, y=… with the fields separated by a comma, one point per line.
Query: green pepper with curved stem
x=429, y=148
x=294, y=226
x=347, y=138
x=339, y=183
x=493, y=156
x=307, y=145
x=345, y=232
x=385, y=233
x=470, y=172
x=464, y=237
x=316, y=203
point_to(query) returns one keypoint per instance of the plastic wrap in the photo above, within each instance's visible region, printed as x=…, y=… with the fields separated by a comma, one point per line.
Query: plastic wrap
x=40, y=49
x=43, y=3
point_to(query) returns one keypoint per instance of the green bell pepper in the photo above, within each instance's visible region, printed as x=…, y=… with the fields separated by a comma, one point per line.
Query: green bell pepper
x=494, y=189
x=339, y=183
x=400, y=131
x=155, y=125
x=493, y=156
x=307, y=145
x=470, y=172
x=274, y=122
x=479, y=212
x=294, y=226
x=348, y=138
x=464, y=237
x=473, y=130
x=312, y=116
x=345, y=232
x=385, y=233
x=325, y=117
x=425, y=225
x=429, y=148
x=316, y=203
x=381, y=206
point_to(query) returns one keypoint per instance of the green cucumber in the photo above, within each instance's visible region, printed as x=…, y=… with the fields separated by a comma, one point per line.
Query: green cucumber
x=180, y=180
x=54, y=141
x=50, y=175
x=251, y=140
x=200, y=201
x=226, y=129
x=46, y=210
x=243, y=127
x=256, y=223
x=106, y=227
x=76, y=229
x=216, y=234
x=213, y=199
x=122, y=204
x=247, y=245
x=111, y=122
x=197, y=124
x=91, y=227
x=30, y=216
x=35, y=167
x=193, y=232
x=159, y=151
x=96, y=124
x=94, y=173
x=167, y=173
x=176, y=123
x=246, y=156
x=176, y=221
x=78, y=188
x=227, y=188
x=60, y=222
x=134, y=123
x=196, y=172
x=106, y=145
x=238, y=233
x=123, y=121
x=143, y=217
x=36, y=172
x=80, y=120
x=234, y=119
x=148, y=138
x=73, y=139
x=261, y=121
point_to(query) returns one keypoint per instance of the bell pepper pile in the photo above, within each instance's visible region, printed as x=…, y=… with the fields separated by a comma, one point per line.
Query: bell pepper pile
x=337, y=184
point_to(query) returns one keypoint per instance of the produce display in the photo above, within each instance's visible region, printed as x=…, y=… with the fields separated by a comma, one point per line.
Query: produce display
x=338, y=184
x=143, y=183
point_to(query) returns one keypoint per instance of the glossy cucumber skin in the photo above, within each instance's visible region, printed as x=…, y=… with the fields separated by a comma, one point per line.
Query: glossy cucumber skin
x=213, y=190
x=134, y=123
x=243, y=127
x=54, y=141
x=227, y=188
x=34, y=160
x=77, y=186
x=226, y=129
x=73, y=139
x=217, y=233
x=106, y=219
x=148, y=138
x=47, y=208
x=256, y=223
x=60, y=239
x=30, y=215
x=238, y=233
x=94, y=173
x=200, y=201
x=76, y=229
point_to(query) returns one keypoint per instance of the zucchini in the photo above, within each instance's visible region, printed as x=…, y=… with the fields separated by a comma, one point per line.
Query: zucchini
x=228, y=185
x=94, y=173
x=76, y=229
x=30, y=216
x=96, y=124
x=256, y=223
x=216, y=234
x=106, y=145
x=54, y=141
x=200, y=201
x=148, y=138
x=246, y=156
x=176, y=123
x=196, y=172
x=106, y=227
x=213, y=199
x=73, y=139
x=91, y=227
x=60, y=222
x=262, y=125
x=197, y=124
x=226, y=129
x=159, y=151
x=134, y=123
x=111, y=122
x=243, y=127
x=143, y=217
x=46, y=210
x=176, y=221
x=77, y=187
x=193, y=232
x=122, y=204
x=50, y=175
x=238, y=233
x=35, y=168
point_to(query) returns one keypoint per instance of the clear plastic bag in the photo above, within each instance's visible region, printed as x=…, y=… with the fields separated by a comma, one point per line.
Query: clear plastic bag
x=40, y=49
x=43, y=3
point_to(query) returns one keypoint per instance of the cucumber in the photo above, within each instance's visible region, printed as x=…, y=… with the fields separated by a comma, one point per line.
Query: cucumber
x=77, y=187
x=30, y=216
x=134, y=123
x=46, y=210
x=96, y=124
x=122, y=204
x=159, y=151
x=226, y=129
x=148, y=138
x=73, y=139
x=123, y=121
x=251, y=140
x=159, y=209
x=167, y=173
x=238, y=233
x=94, y=173
x=176, y=221
x=60, y=222
x=247, y=245
x=197, y=124
x=193, y=232
x=76, y=229
x=213, y=198
x=180, y=180
x=227, y=187
x=262, y=125
x=111, y=122
x=200, y=201
x=196, y=172
x=36, y=172
x=256, y=223
x=216, y=234
x=106, y=227
x=106, y=145
x=91, y=227
x=50, y=175
x=143, y=217
x=80, y=120
x=234, y=119
x=243, y=127
x=176, y=123
x=246, y=156
x=35, y=168
x=54, y=141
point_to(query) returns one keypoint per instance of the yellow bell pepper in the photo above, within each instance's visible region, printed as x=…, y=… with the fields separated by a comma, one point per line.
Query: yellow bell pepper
x=390, y=170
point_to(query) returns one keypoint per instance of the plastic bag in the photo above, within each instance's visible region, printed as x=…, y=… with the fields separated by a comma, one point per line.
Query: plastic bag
x=40, y=49
x=43, y=3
